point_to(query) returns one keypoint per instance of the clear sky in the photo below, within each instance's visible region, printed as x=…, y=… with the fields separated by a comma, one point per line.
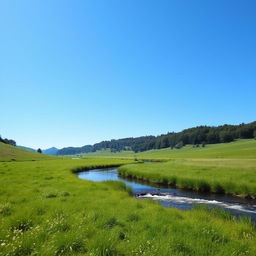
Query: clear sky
x=79, y=72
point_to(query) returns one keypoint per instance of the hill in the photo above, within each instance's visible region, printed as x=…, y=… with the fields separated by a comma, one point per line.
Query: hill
x=114, y=145
x=240, y=149
x=50, y=151
x=32, y=149
x=13, y=153
x=175, y=140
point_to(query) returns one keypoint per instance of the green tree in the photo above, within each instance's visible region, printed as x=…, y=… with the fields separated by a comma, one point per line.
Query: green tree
x=39, y=151
x=225, y=136
x=179, y=145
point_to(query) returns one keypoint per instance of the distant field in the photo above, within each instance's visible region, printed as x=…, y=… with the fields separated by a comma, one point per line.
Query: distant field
x=241, y=149
x=245, y=149
x=11, y=153
x=108, y=153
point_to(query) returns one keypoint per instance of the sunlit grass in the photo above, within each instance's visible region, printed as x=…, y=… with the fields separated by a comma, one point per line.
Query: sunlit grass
x=46, y=210
x=240, y=149
x=233, y=176
x=11, y=153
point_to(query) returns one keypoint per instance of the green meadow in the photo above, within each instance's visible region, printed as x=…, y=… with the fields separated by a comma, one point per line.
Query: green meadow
x=240, y=149
x=225, y=176
x=46, y=210
x=220, y=168
x=11, y=153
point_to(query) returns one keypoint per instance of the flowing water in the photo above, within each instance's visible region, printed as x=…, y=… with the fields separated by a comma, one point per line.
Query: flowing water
x=172, y=197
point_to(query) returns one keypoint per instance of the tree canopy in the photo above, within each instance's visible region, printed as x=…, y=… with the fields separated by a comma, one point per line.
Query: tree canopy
x=8, y=141
x=195, y=136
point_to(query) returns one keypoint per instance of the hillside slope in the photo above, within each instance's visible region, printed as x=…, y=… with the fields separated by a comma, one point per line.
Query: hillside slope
x=195, y=136
x=12, y=153
x=240, y=149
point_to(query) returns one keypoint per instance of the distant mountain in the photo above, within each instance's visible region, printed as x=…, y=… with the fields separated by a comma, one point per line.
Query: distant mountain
x=26, y=148
x=75, y=150
x=50, y=151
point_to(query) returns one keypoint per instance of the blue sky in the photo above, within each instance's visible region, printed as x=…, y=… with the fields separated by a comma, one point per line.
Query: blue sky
x=79, y=72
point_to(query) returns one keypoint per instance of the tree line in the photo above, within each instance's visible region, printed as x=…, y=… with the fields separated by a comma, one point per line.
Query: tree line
x=200, y=135
x=13, y=143
x=8, y=141
x=113, y=145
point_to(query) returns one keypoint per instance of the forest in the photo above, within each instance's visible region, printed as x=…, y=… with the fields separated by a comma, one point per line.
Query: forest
x=200, y=135
x=8, y=141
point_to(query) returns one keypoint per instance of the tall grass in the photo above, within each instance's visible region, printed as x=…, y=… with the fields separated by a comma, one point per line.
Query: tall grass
x=220, y=176
x=46, y=210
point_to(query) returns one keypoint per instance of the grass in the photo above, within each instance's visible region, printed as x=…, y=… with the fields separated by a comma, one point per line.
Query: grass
x=46, y=210
x=240, y=149
x=107, y=153
x=11, y=153
x=230, y=176
x=220, y=168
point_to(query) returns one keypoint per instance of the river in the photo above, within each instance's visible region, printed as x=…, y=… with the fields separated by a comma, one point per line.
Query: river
x=172, y=197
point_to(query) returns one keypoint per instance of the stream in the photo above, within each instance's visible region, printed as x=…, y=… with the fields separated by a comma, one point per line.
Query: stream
x=173, y=197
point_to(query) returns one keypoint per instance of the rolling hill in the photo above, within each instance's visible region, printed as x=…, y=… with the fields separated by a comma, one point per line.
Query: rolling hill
x=196, y=135
x=240, y=149
x=12, y=153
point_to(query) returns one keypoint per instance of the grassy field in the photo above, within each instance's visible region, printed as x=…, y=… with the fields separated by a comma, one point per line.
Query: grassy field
x=11, y=153
x=107, y=153
x=220, y=168
x=46, y=210
x=240, y=149
x=232, y=176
